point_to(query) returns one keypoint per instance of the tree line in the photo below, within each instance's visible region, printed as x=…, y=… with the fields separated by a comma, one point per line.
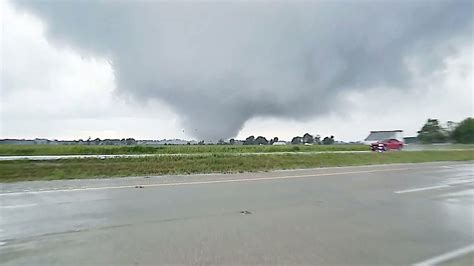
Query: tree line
x=433, y=132
x=260, y=140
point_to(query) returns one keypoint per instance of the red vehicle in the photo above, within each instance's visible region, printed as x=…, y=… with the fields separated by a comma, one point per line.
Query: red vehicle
x=385, y=145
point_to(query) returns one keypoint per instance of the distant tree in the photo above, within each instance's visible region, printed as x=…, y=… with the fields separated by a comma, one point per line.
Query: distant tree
x=325, y=141
x=249, y=141
x=297, y=140
x=451, y=126
x=328, y=140
x=275, y=139
x=220, y=142
x=464, y=132
x=308, y=138
x=232, y=141
x=261, y=141
x=201, y=142
x=317, y=139
x=432, y=132
x=130, y=141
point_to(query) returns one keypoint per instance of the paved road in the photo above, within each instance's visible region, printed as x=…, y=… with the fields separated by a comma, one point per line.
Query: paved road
x=393, y=215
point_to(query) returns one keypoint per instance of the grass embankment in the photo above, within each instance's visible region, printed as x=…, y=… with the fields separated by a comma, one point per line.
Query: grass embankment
x=6, y=150
x=22, y=170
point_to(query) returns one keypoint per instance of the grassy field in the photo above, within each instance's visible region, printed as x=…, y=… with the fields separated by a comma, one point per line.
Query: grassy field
x=165, y=149
x=9, y=150
x=23, y=170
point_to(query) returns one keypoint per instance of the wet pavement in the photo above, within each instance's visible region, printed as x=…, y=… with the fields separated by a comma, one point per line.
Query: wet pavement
x=387, y=214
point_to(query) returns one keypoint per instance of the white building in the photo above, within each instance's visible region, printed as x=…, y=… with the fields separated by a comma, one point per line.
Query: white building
x=375, y=136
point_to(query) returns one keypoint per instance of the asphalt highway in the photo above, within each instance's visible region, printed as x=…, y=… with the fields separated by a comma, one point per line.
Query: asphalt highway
x=372, y=215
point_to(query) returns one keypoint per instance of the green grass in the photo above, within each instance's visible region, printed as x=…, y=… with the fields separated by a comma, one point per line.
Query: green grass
x=23, y=170
x=440, y=146
x=165, y=149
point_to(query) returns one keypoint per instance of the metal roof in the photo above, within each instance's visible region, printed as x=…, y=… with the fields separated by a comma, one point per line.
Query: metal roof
x=374, y=131
x=381, y=135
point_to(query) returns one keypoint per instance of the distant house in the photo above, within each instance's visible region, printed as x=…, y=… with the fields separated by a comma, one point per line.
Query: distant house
x=375, y=136
x=17, y=141
x=41, y=141
x=238, y=142
x=410, y=140
x=279, y=143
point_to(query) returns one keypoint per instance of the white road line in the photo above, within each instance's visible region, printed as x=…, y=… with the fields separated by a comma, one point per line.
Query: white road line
x=463, y=182
x=420, y=189
x=449, y=167
x=205, y=182
x=18, y=206
x=447, y=256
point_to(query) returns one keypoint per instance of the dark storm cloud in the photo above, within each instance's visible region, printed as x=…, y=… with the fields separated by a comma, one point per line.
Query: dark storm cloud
x=220, y=64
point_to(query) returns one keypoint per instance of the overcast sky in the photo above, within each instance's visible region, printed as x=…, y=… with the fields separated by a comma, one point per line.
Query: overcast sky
x=152, y=70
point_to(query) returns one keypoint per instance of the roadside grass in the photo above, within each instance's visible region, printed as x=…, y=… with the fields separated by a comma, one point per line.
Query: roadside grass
x=6, y=150
x=31, y=150
x=24, y=170
x=442, y=146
